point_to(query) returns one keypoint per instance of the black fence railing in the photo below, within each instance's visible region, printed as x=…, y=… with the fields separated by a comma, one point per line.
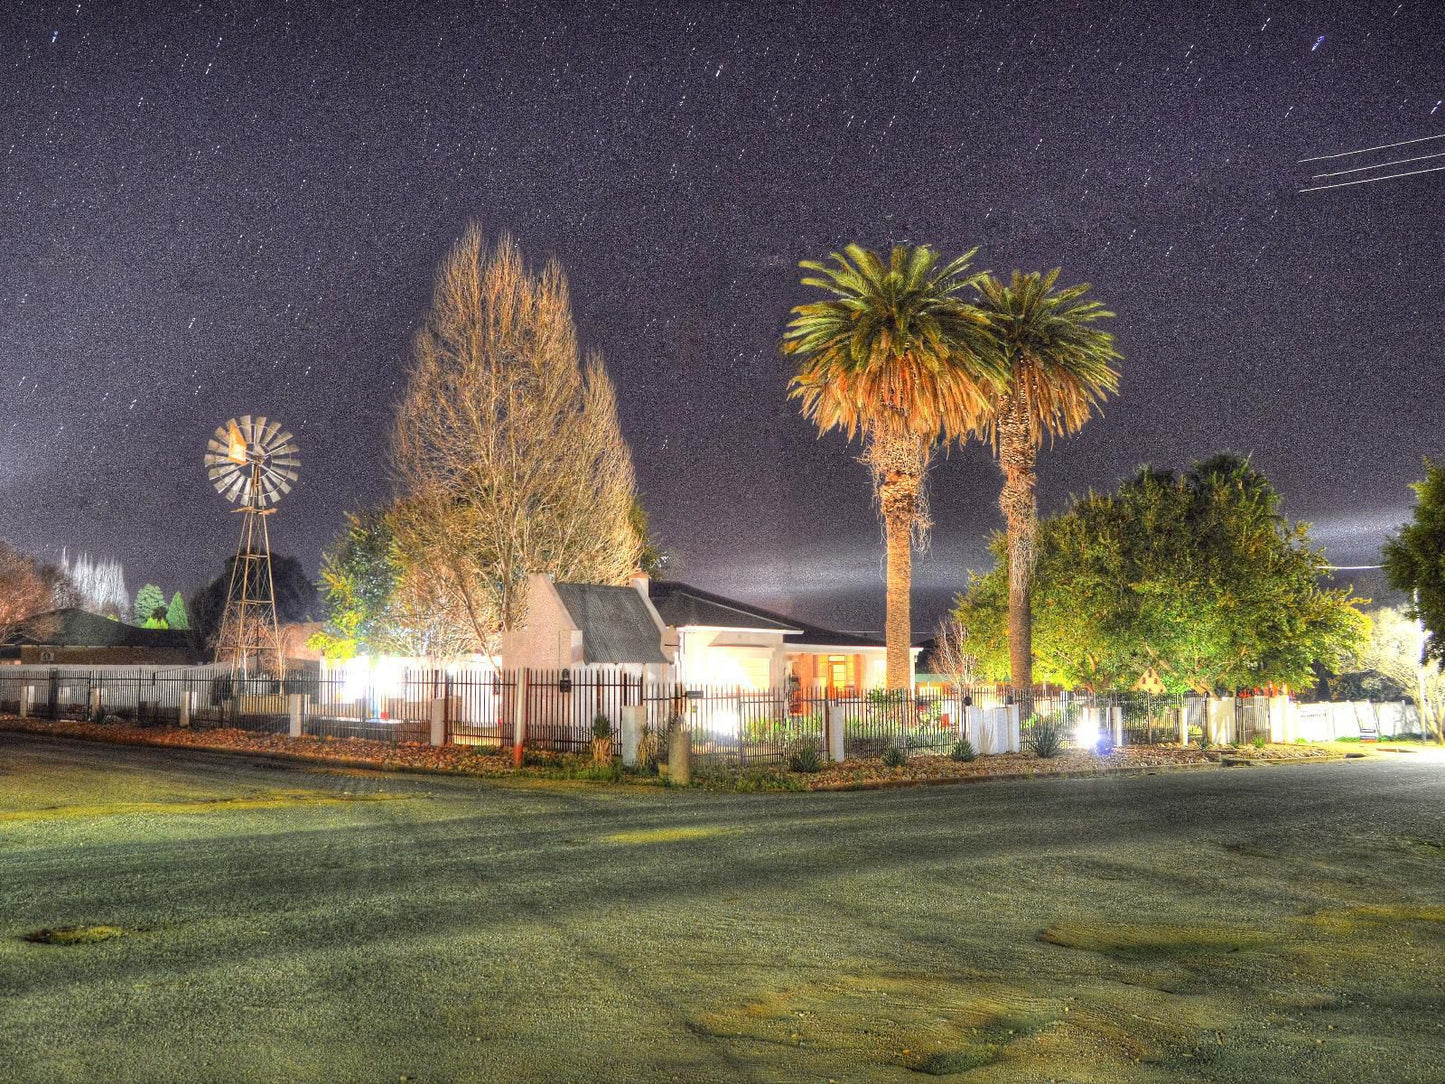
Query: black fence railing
x=557, y=710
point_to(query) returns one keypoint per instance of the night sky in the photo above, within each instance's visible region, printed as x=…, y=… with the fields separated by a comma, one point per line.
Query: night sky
x=218, y=209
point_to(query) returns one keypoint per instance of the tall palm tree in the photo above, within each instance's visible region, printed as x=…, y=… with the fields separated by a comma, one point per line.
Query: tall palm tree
x=896, y=356
x=1059, y=370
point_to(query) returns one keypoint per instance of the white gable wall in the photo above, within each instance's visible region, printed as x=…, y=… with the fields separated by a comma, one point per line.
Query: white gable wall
x=549, y=640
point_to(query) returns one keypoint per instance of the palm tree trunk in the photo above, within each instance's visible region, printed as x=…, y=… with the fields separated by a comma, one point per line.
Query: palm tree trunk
x=899, y=461
x=898, y=634
x=1017, y=456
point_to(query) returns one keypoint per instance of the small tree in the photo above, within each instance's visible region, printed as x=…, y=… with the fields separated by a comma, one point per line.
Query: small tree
x=176, y=616
x=150, y=607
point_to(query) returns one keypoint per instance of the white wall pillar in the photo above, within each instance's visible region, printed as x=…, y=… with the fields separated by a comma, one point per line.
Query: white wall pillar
x=835, y=738
x=1184, y=721
x=27, y=697
x=1116, y=719
x=438, y=718
x=94, y=703
x=296, y=705
x=1277, y=732
x=631, y=726
x=185, y=712
x=1015, y=741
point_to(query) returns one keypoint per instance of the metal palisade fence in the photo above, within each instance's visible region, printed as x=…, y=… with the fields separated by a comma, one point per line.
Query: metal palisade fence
x=561, y=711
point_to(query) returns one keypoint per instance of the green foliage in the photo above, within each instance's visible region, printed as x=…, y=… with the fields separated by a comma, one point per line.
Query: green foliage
x=805, y=757
x=601, y=727
x=176, y=616
x=1415, y=559
x=895, y=756
x=1045, y=739
x=359, y=574
x=962, y=751
x=1197, y=579
x=150, y=607
x=1258, y=741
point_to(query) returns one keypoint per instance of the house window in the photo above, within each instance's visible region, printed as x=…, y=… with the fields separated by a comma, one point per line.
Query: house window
x=838, y=677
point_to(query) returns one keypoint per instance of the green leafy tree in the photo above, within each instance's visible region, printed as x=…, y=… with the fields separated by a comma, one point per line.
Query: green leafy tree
x=377, y=602
x=176, y=616
x=297, y=600
x=895, y=357
x=1197, y=581
x=150, y=607
x=1389, y=663
x=1415, y=560
x=1060, y=366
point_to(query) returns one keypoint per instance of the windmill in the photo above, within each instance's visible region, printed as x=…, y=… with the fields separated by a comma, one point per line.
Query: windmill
x=252, y=463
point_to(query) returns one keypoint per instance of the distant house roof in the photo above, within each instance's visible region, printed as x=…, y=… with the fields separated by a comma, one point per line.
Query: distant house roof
x=80, y=628
x=682, y=605
x=616, y=625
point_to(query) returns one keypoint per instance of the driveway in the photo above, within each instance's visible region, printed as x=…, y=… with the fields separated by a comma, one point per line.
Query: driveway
x=277, y=923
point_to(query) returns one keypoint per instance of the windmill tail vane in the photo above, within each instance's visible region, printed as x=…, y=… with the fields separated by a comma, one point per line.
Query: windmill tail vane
x=253, y=463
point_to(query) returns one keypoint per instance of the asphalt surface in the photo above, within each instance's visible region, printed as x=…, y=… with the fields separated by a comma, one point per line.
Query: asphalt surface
x=281, y=923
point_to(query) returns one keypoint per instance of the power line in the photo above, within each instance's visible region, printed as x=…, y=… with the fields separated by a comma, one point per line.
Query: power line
x=1372, y=180
x=1379, y=165
x=1367, y=150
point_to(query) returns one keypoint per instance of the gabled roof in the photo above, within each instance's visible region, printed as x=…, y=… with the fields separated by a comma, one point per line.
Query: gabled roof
x=80, y=628
x=616, y=625
x=682, y=605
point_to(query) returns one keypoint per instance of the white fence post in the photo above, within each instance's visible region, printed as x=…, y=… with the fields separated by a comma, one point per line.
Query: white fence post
x=1184, y=721
x=27, y=697
x=296, y=705
x=836, y=750
x=185, y=713
x=1015, y=738
x=519, y=717
x=1278, y=734
x=1116, y=716
x=94, y=703
x=439, y=720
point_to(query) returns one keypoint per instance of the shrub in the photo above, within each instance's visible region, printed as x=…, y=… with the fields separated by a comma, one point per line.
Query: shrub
x=805, y=757
x=1257, y=741
x=962, y=751
x=1203, y=742
x=1105, y=745
x=895, y=756
x=601, y=726
x=1045, y=740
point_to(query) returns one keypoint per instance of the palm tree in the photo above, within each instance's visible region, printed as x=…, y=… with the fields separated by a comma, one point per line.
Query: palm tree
x=897, y=357
x=1059, y=369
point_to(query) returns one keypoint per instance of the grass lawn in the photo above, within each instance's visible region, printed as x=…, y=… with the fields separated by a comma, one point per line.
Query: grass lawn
x=233, y=919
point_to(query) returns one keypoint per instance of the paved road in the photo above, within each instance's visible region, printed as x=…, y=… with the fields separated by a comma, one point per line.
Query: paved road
x=1250, y=924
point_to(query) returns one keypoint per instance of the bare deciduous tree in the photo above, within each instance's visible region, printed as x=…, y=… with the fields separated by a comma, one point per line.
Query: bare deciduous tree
x=28, y=588
x=507, y=447
x=951, y=655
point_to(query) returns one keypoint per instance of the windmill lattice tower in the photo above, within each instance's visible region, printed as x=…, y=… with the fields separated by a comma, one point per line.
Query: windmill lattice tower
x=252, y=463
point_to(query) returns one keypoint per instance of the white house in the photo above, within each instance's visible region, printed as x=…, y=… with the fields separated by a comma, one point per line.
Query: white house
x=669, y=631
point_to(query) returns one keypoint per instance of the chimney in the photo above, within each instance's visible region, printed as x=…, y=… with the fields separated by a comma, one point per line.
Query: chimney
x=640, y=581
